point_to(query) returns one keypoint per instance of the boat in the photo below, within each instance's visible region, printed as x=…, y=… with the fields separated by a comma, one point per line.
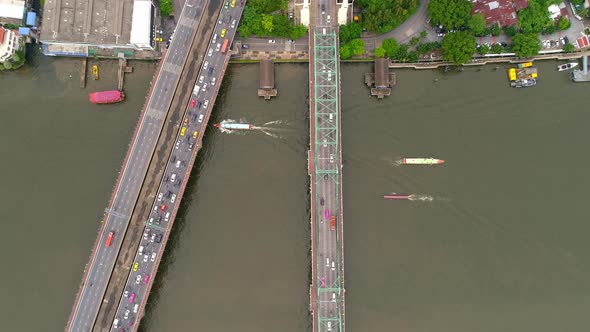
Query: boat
x=95, y=71
x=525, y=65
x=567, y=66
x=523, y=83
x=421, y=161
x=398, y=197
x=233, y=126
x=106, y=97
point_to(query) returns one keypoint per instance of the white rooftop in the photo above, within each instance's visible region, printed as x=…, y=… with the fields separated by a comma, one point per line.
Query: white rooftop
x=141, y=23
x=12, y=8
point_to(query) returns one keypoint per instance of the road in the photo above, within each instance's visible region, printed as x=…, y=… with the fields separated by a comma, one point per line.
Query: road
x=327, y=286
x=188, y=141
x=132, y=176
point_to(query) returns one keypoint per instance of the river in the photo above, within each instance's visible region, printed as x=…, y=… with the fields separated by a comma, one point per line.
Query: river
x=500, y=246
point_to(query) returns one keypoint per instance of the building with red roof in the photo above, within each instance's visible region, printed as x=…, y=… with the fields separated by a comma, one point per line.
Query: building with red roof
x=501, y=12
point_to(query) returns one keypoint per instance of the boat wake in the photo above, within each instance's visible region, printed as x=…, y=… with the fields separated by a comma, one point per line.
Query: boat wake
x=421, y=198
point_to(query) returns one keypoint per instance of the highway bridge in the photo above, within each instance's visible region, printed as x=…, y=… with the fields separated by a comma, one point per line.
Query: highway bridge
x=327, y=284
x=125, y=195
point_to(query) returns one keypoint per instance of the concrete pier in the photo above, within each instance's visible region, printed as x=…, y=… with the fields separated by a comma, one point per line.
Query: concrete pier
x=382, y=80
x=83, y=69
x=266, y=86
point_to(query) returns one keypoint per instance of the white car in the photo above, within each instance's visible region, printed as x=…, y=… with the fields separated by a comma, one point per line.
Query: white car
x=152, y=239
x=153, y=257
x=206, y=103
x=201, y=117
x=126, y=314
x=137, y=280
x=177, y=144
x=214, y=38
x=160, y=197
x=210, y=52
x=205, y=87
x=206, y=65
x=331, y=158
x=201, y=79
x=233, y=24
x=145, y=235
x=271, y=41
x=145, y=258
x=167, y=217
x=218, y=47
x=213, y=81
x=178, y=162
x=173, y=198
x=126, y=293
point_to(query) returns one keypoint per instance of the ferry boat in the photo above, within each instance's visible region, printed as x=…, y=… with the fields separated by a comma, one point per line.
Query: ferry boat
x=567, y=66
x=106, y=97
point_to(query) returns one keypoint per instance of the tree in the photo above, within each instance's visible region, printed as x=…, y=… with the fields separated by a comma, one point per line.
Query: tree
x=495, y=30
x=477, y=24
x=568, y=48
x=451, y=14
x=402, y=53
x=357, y=46
x=483, y=49
x=379, y=52
x=563, y=23
x=497, y=49
x=298, y=31
x=349, y=32
x=413, y=56
x=414, y=41
x=458, y=47
x=510, y=30
x=423, y=34
x=534, y=18
x=384, y=15
x=390, y=45
x=266, y=23
x=526, y=44
x=345, y=52
x=166, y=7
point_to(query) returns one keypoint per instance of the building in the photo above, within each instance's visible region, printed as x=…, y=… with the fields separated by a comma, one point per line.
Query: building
x=98, y=28
x=12, y=11
x=9, y=43
x=266, y=84
x=500, y=12
x=557, y=11
x=381, y=81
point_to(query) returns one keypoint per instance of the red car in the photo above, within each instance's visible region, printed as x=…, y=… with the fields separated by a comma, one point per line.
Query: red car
x=163, y=207
x=193, y=103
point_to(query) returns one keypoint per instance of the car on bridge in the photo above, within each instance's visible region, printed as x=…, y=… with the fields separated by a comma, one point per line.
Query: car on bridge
x=223, y=31
x=135, y=266
x=233, y=3
x=183, y=131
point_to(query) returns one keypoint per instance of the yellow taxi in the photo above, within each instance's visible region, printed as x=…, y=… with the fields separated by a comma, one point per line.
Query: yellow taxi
x=135, y=266
x=195, y=134
x=223, y=31
x=182, y=131
x=158, y=39
x=233, y=3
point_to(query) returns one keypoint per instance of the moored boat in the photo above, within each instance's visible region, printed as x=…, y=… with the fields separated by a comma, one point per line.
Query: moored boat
x=106, y=97
x=523, y=83
x=95, y=71
x=567, y=66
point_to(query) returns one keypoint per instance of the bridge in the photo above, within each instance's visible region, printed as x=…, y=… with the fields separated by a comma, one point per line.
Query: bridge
x=98, y=271
x=327, y=284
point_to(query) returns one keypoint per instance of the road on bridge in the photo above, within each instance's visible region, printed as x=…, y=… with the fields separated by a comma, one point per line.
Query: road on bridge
x=132, y=174
x=189, y=138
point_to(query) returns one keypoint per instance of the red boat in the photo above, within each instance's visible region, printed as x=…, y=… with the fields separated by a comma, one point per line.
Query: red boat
x=106, y=97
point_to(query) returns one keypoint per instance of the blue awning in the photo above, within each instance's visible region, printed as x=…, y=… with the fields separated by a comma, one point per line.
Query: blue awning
x=31, y=18
x=24, y=31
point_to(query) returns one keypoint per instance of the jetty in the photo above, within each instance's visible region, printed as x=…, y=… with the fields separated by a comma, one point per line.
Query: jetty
x=381, y=81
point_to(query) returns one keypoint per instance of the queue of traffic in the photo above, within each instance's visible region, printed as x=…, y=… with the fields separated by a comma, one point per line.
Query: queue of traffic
x=165, y=203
